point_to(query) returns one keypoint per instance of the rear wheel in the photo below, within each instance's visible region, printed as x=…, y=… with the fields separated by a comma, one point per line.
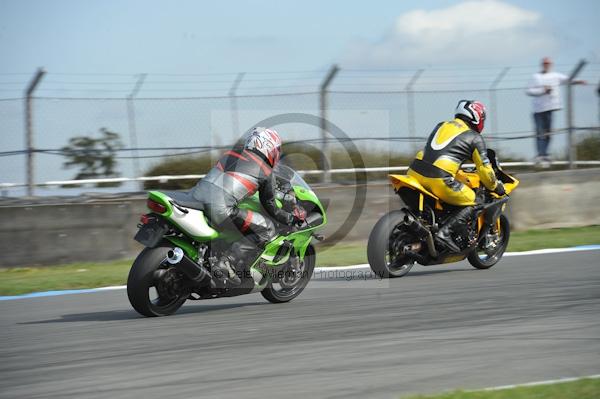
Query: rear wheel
x=293, y=279
x=384, y=250
x=491, y=248
x=153, y=286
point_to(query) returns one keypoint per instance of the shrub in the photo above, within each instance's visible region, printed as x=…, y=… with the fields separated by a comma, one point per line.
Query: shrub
x=296, y=155
x=588, y=149
x=175, y=166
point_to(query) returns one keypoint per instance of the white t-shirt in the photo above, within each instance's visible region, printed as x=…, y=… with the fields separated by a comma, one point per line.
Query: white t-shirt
x=537, y=88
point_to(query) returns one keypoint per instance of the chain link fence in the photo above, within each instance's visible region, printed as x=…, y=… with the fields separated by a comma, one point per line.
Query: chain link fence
x=382, y=114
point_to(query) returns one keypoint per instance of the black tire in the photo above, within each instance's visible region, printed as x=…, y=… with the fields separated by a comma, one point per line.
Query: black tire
x=142, y=280
x=490, y=259
x=274, y=294
x=378, y=247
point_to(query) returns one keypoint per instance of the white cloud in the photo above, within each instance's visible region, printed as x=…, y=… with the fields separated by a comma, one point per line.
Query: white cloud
x=473, y=31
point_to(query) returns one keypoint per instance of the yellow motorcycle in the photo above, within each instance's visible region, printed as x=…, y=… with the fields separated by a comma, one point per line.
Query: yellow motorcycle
x=404, y=237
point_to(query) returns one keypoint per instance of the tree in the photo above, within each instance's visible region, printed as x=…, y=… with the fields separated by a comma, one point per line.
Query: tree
x=94, y=156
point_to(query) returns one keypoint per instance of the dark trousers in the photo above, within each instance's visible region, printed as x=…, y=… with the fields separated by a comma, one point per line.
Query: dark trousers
x=256, y=229
x=543, y=127
x=222, y=210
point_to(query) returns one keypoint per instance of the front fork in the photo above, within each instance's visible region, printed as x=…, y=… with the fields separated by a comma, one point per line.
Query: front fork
x=490, y=231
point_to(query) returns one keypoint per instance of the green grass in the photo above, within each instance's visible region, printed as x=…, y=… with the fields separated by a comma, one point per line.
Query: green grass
x=342, y=254
x=22, y=280
x=581, y=389
x=553, y=238
x=356, y=253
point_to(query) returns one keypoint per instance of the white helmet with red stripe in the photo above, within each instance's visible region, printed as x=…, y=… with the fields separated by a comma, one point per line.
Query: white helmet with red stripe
x=265, y=142
x=472, y=112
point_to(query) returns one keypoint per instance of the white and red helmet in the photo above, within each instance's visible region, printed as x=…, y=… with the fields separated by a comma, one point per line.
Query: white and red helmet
x=472, y=112
x=265, y=142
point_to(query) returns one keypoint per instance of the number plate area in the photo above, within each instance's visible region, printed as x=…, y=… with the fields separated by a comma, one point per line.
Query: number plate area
x=151, y=233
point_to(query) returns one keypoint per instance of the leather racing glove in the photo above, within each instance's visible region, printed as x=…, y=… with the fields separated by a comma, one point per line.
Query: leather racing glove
x=299, y=214
x=500, y=190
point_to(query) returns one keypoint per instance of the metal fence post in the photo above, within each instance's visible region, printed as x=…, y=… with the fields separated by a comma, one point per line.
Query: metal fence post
x=29, y=127
x=410, y=107
x=235, y=124
x=132, y=126
x=323, y=106
x=598, y=92
x=572, y=149
x=493, y=102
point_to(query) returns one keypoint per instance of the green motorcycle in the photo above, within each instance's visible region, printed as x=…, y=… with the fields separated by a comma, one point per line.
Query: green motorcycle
x=182, y=250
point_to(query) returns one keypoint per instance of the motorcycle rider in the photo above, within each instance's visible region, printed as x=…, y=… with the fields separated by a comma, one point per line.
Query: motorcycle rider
x=240, y=173
x=449, y=145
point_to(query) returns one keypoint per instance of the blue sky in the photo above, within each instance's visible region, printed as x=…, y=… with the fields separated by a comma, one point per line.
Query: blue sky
x=196, y=48
x=229, y=36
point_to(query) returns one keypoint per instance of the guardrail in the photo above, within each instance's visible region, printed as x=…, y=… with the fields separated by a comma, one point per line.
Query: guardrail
x=165, y=178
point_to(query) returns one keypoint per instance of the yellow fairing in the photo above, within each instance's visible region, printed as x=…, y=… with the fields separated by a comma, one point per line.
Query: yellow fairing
x=444, y=193
x=399, y=181
x=508, y=187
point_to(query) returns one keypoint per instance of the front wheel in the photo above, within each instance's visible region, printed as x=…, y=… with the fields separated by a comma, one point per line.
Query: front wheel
x=384, y=250
x=490, y=249
x=154, y=288
x=293, y=279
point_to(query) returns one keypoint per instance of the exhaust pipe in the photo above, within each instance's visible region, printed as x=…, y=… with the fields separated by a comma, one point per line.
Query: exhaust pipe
x=192, y=270
x=423, y=232
x=175, y=255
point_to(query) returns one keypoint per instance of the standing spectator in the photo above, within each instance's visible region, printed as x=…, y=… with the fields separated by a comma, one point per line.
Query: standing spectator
x=545, y=90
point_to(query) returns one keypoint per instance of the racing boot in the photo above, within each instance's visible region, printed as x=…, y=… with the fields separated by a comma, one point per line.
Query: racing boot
x=224, y=272
x=444, y=235
x=233, y=265
x=245, y=253
x=444, y=239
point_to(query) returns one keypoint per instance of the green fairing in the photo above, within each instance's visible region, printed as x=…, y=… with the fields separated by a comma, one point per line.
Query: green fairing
x=299, y=239
x=162, y=199
x=271, y=250
x=308, y=195
x=253, y=203
x=302, y=245
x=214, y=236
x=303, y=238
x=187, y=247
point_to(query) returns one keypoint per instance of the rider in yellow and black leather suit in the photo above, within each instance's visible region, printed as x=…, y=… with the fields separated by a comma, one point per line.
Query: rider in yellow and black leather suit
x=448, y=146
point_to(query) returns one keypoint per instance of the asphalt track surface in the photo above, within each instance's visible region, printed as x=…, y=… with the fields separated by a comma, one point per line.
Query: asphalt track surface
x=529, y=318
